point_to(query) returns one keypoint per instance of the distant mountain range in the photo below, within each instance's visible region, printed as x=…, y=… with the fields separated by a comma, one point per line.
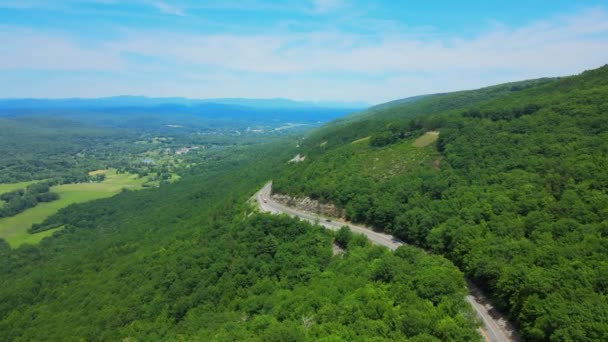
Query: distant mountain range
x=139, y=112
x=143, y=101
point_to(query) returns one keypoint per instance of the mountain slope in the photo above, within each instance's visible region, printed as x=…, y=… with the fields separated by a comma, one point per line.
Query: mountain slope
x=359, y=124
x=192, y=261
x=514, y=190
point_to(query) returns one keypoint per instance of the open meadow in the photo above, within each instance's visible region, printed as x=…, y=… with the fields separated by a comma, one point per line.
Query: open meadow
x=14, y=229
x=14, y=186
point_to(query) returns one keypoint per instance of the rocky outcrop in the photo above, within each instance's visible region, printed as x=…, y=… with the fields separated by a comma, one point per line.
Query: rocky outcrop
x=298, y=158
x=309, y=205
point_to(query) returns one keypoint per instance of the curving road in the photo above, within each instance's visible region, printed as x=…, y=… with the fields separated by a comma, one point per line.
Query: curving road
x=495, y=326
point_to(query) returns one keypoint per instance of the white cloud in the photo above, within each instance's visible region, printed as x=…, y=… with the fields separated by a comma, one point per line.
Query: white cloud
x=529, y=48
x=169, y=9
x=324, y=6
x=33, y=50
x=318, y=65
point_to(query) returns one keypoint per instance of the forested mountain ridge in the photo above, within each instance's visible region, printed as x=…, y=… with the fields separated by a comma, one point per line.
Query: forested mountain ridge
x=167, y=114
x=357, y=125
x=192, y=260
x=514, y=191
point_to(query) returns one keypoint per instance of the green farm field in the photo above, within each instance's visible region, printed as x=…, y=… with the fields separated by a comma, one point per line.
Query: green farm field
x=14, y=229
x=14, y=186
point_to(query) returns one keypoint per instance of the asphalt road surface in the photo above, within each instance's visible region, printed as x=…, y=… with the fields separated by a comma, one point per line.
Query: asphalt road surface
x=495, y=328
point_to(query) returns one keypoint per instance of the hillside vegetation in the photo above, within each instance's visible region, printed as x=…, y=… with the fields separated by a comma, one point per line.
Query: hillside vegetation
x=359, y=125
x=514, y=191
x=193, y=261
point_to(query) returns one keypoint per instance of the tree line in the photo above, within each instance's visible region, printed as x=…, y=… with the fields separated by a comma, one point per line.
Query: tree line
x=21, y=199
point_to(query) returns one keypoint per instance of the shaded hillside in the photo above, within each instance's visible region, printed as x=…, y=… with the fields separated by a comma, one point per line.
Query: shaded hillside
x=514, y=191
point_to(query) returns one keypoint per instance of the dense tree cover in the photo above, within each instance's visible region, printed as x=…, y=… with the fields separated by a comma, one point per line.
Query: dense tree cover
x=66, y=147
x=52, y=148
x=377, y=118
x=18, y=200
x=45, y=139
x=58, y=149
x=395, y=131
x=191, y=260
x=515, y=192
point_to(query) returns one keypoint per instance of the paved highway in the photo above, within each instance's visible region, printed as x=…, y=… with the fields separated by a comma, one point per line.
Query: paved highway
x=496, y=328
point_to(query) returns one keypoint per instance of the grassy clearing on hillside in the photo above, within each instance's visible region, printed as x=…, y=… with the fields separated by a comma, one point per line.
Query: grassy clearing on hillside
x=14, y=229
x=97, y=172
x=360, y=140
x=371, y=162
x=427, y=139
x=33, y=239
x=14, y=186
x=391, y=160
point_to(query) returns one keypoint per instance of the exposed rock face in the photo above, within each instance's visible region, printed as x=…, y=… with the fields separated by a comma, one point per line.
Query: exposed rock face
x=298, y=158
x=337, y=250
x=310, y=205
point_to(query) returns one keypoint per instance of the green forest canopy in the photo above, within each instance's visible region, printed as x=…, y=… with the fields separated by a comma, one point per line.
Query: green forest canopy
x=190, y=260
x=514, y=192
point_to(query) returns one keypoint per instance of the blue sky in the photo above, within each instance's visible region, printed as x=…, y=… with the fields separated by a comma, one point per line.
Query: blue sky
x=346, y=50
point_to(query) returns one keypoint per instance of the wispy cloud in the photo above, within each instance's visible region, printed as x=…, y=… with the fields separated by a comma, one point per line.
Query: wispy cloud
x=321, y=64
x=324, y=6
x=25, y=4
x=45, y=4
x=169, y=9
x=34, y=50
x=523, y=48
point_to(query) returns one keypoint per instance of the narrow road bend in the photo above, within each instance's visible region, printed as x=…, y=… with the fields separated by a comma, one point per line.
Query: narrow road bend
x=496, y=328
